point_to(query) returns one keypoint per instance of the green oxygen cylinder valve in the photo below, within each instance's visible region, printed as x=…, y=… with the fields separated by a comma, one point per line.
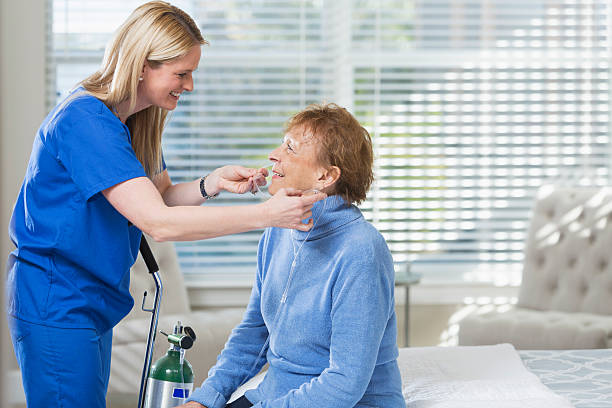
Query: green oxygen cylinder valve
x=179, y=339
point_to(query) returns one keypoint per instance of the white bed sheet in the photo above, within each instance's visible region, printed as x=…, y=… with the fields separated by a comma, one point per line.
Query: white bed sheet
x=474, y=377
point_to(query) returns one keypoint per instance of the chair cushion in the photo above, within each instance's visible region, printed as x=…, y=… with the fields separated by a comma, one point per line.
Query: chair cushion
x=531, y=329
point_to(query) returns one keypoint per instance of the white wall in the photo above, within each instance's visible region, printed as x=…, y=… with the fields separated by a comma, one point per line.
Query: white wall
x=22, y=107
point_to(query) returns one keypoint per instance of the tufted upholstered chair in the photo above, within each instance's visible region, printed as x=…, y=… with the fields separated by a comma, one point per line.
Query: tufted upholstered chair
x=565, y=298
x=212, y=328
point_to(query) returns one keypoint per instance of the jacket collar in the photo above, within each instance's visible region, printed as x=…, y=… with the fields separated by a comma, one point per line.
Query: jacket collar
x=328, y=214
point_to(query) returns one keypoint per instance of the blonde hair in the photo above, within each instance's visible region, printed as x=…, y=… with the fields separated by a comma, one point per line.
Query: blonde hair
x=156, y=32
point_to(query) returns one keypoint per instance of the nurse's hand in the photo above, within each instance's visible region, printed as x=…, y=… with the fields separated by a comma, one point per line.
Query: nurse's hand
x=288, y=207
x=235, y=179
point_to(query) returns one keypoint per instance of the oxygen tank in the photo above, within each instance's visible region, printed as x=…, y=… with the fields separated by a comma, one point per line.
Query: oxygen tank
x=170, y=380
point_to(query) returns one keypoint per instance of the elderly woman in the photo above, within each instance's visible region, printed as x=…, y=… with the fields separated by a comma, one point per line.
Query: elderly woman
x=321, y=312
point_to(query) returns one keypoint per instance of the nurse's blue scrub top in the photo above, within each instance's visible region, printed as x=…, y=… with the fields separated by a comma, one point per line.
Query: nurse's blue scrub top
x=74, y=250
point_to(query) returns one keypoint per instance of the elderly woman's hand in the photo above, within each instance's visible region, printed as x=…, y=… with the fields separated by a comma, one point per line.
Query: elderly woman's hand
x=192, y=404
x=235, y=179
x=288, y=207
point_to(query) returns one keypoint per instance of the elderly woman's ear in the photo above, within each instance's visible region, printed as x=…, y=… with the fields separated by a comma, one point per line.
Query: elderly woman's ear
x=328, y=179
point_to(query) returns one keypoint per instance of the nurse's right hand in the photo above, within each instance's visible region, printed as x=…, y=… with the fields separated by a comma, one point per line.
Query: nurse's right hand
x=192, y=404
x=288, y=207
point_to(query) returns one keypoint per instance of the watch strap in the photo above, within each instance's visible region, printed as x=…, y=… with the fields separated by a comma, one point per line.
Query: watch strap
x=203, y=189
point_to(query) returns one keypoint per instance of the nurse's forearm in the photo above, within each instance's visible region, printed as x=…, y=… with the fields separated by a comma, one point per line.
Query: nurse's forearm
x=183, y=194
x=178, y=194
x=188, y=223
x=140, y=202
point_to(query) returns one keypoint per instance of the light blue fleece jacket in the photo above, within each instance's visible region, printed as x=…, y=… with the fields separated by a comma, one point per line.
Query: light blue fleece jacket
x=333, y=341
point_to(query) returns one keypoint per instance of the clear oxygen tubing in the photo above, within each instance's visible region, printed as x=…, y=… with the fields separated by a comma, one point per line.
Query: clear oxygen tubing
x=257, y=190
x=283, y=299
x=181, y=361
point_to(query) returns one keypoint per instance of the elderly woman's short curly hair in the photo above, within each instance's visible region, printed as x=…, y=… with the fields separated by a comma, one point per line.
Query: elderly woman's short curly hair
x=344, y=143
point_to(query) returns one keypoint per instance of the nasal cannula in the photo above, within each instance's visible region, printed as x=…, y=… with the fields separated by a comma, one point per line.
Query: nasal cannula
x=257, y=189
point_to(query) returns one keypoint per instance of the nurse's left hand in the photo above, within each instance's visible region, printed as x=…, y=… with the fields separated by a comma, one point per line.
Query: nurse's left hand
x=236, y=179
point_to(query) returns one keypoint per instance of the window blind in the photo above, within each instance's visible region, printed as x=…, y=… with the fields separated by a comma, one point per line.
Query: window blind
x=472, y=105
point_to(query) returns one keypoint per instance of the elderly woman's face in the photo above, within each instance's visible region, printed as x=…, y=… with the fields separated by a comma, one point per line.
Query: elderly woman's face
x=295, y=162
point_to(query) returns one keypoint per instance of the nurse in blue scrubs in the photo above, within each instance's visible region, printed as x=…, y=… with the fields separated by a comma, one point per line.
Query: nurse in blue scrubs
x=95, y=180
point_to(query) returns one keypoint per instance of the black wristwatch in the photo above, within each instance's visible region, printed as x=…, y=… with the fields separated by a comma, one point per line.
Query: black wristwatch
x=203, y=190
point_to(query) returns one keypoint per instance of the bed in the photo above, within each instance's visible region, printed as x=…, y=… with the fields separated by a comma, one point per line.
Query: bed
x=499, y=376
x=582, y=376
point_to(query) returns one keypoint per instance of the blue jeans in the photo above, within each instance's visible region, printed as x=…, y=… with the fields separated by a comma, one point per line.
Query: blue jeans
x=241, y=402
x=62, y=367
